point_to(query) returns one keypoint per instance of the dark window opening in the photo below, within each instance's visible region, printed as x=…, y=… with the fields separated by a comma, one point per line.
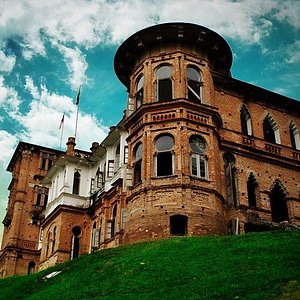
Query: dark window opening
x=76, y=183
x=164, y=156
x=269, y=134
x=44, y=163
x=45, y=200
x=244, y=124
x=137, y=172
x=31, y=267
x=252, y=190
x=75, y=248
x=193, y=84
x=53, y=240
x=165, y=90
x=164, y=164
x=38, y=199
x=178, y=225
x=230, y=180
x=114, y=221
x=292, y=137
x=140, y=92
x=278, y=204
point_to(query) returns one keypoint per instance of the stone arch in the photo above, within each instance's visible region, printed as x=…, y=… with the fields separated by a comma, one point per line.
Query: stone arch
x=294, y=135
x=271, y=130
x=31, y=267
x=75, y=243
x=252, y=185
x=245, y=118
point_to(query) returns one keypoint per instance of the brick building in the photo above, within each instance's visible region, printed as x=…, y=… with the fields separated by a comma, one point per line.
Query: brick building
x=196, y=153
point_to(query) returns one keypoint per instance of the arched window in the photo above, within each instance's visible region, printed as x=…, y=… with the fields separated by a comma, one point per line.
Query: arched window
x=230, y=179
x=75, y=242
x=278, y=203
x=140, y=92
x=53, y=239
x=252, y=190
x=198, y=157
x=164, y=160
x=117, y=158
x=294, y=135
x=137, y=168
x=114, y=220
x=194, y=90
x=95, y=238
x=164, y=89
x=245, y=121
x=31, y=267
x=271, y=131
x=178, y=225
x=76, y=183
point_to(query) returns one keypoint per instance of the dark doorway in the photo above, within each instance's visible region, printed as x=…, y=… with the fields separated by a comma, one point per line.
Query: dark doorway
x=278, y=204
x=178, y=225
x=31, y=267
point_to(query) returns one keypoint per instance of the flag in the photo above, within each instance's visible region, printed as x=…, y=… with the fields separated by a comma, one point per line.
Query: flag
x=78, y=96
x=62, y=121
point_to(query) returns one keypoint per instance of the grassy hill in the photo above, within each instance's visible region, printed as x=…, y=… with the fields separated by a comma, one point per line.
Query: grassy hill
x=252, y=266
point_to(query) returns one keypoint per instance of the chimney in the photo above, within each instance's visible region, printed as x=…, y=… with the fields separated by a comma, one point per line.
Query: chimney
x=71, y=146
x=94, y=147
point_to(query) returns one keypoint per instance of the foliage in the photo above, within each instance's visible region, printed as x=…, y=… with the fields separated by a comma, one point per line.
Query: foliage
x=251, y=266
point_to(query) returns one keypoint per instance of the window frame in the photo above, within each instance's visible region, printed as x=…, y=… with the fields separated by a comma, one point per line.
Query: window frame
x=159, y=80
x=158, y=152
x=190, y=89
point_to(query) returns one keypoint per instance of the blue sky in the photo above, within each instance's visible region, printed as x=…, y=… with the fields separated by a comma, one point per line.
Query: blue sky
x=49, y=48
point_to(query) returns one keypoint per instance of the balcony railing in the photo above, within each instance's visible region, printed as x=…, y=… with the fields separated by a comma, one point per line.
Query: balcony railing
x=273, y=149
x=248, y=141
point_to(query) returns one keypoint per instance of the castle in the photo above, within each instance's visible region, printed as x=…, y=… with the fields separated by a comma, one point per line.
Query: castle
x=196, y=153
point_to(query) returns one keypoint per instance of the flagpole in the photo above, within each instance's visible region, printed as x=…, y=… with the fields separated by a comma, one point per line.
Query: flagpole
x=77, y=104
x=61, y=136
x=61, y=126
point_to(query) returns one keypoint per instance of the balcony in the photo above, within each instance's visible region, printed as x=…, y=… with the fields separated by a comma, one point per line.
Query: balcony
x=296, y=155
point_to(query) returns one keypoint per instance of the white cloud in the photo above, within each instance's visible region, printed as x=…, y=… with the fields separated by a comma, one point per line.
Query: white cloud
x=292, y=53
x=7, y=144
x=7, y=62
x=41, y=122
x=76, y=64
x=89, y=23
x=9, y=99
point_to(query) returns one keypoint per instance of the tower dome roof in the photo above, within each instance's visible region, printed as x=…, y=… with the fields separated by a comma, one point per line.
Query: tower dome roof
x=212, y=44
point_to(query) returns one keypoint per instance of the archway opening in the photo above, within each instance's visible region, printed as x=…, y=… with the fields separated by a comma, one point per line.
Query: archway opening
x=178, y=225
x=278, y=204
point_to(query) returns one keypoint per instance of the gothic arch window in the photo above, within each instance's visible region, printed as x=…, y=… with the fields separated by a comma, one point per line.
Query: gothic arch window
x=95, y=237
x=245, y=121
x=178, y=225
x=252, y=186
x=137, y=168
x=117, y=158
x=230, y=179
x=194, y=90
x=31, y=267
x=164, y=157
x=75, y=242
x=271, y=131
x=76, y=182
x=294, y=136
x=140, y=91
x=114, y=220
x=278, y=203
x=164, y=83
x=198, y=157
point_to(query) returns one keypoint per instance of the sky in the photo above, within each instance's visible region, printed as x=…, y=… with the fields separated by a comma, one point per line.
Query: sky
x=49, y=48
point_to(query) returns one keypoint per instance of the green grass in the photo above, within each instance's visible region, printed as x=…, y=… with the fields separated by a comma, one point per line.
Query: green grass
x=252, y=266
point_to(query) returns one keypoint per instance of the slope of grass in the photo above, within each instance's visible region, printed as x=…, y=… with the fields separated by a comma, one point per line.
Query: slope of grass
x=252, y=266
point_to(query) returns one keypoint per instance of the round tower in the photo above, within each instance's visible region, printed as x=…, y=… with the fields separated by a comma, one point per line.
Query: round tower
x=173, y=130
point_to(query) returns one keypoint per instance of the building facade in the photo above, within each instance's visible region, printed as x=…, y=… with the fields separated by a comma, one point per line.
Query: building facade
x=196, y=153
